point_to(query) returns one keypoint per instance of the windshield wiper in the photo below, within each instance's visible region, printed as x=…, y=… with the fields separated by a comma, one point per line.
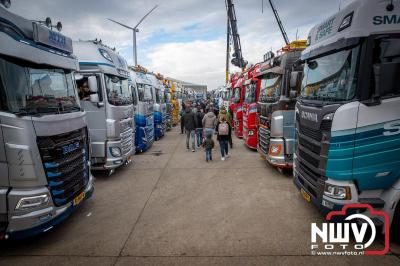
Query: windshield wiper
x=25, y=112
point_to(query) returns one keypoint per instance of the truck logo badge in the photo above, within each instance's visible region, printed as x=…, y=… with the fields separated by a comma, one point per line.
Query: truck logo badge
x=309, y=116
x=70, y=148
x=392, y=128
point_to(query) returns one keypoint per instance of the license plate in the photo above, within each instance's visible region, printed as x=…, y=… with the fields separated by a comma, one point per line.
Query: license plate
x=79, y=198
x=305, y=195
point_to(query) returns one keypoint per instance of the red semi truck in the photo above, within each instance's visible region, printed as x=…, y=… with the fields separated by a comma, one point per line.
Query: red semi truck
x=252, y=92
x=238, y=98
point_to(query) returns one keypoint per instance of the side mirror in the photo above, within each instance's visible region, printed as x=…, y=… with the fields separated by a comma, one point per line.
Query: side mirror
x=294, y=79
x=92, y=82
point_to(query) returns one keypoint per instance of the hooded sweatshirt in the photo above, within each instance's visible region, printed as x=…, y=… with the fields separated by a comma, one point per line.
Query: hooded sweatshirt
x=189, y=120
x=209, y=120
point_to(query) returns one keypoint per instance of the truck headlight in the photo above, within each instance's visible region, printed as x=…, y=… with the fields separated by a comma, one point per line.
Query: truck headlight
x=115, y=151
x=337, y=192
x=328, y=116
x=32, y=202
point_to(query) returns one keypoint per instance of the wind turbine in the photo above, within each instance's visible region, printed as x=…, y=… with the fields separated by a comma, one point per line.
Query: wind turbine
x=134, y=29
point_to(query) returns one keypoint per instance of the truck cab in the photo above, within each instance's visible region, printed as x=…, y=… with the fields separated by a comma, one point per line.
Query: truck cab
x=106, y=97
x=276, y=117
x=252, y=93
x=159, y=107
x=174, y=102
x=144, y=117
x=237, y=105
x=168, y=104
x=44, y=141
x=348, y=112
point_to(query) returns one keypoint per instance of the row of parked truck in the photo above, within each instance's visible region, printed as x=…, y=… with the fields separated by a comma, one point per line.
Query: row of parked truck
x=329, y=107
x=67, y=108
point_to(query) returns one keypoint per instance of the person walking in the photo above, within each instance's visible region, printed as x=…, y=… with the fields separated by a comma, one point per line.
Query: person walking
x=224, y=131
x=209, y=122
x=228, y=118
x=199, y=126
x=208, y=145
x=190, y=126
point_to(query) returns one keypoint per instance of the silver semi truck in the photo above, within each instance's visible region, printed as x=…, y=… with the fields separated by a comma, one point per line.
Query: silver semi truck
x=44, y=144
x=107, y=98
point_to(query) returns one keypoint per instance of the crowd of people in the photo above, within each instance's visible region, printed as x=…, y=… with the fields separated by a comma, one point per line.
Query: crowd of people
x=200, y=122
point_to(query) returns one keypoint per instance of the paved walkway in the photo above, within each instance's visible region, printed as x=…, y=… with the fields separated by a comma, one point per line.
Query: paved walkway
x=171, y=207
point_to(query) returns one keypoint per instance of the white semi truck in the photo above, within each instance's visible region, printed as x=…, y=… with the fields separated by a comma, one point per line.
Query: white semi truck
x=348, y=113
x=44, y=143
x=107, y=99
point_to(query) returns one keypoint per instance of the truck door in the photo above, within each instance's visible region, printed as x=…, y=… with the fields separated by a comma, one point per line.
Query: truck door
x=96, y=116
x=377, y=145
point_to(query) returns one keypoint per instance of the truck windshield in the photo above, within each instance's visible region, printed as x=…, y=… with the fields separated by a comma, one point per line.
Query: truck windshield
x=236, y=97
x=30, y=89
x=270, y=88
x=145, y=92
x=332, y=77
x=118, y=91
x=250, y=96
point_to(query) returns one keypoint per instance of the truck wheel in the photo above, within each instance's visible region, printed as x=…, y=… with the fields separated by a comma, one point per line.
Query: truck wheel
x=395, y=227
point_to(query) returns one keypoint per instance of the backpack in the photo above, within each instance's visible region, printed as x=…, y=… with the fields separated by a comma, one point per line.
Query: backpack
x=223, y=129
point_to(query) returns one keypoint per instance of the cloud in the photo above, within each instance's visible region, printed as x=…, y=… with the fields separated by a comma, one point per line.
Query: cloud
x=199, y=61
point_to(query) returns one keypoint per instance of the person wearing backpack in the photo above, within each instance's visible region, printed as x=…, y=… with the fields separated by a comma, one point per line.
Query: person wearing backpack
x=224, y=131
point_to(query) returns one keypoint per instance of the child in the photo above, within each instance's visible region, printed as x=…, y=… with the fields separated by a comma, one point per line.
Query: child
x=208, y=145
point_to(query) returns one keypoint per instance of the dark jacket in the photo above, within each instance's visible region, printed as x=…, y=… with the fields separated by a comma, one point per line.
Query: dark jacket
x=223, y=137
x=199, y=119
x=208, y=144
x=189, y=120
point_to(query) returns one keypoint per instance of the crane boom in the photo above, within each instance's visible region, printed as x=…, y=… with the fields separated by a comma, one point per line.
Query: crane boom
x=237, y=59
x=285, y=37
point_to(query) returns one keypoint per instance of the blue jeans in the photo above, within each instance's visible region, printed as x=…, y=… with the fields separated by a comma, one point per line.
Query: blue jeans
x=223, y=145
x=208, y=155
x=190, y=134
x=199, y=136
x=209, y=131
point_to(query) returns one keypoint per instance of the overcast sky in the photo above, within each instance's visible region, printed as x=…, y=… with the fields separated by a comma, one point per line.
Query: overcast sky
x=184, y=39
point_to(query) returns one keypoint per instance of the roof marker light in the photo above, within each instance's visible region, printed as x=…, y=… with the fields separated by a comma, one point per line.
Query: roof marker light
x=346, y=22
x=105, y=54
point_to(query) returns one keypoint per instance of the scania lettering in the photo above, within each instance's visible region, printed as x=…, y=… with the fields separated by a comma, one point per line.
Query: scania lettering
x=280, y=81
x=107, y=99
x=144, y=117
x=44, y=143
x=348, y=113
